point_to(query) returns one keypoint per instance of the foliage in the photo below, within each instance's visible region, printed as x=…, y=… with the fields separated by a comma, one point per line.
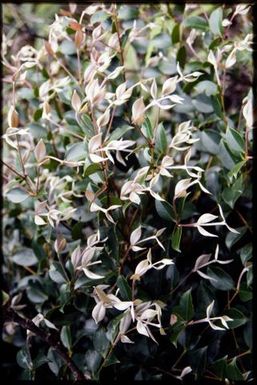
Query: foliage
x=127, y=212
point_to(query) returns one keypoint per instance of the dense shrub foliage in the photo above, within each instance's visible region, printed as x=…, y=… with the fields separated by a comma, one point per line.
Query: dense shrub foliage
x=127, y=211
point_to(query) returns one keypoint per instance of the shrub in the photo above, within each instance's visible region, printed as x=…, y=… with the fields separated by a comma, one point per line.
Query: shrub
x=127, y=161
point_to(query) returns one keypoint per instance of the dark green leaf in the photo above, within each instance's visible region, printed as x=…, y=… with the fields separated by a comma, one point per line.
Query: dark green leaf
x=215, y=21
x=38, y=114
x=182, y=56
x=66, y=337
x=56, y=273
x=101, y=343
x=24, y=359
x=118, y=132
x=196, y=22
x=208, y=87
x=17, y=195
x=165, y=210
x=210, y=141
x=76, y=152
x=238, y=318
x=176, y=33
x=161, y=143
x=185, y=308
x=147, y=129
x=93, y=360
x=234, y=140
x=223, y=281
x=99, y=17
x=111, y=360
x=125, y=290
x=25, y=257
x=232, y=371
x=176, y=238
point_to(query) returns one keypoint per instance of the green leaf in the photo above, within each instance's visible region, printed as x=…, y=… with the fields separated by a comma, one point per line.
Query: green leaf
x=17, y=195
x=176, y=33
x=25, y=257
x=238, y=318
x=230, y=195
x=234, y=140
x=176, y=238
x=235, y=170
x=92, y=169
x=196, y=22
x=225, y=156
x=207, y=87
x=215, y=21
x=38, y=114
x=24, y=359
x=217, y=107
x=232, y=371
x=246, y=253
x=111, y=360
x=232, y=238
x=182, y=56
x=101, y=342
x=36, y=294
x=218, y=367
x=118, y=132
x=131, y=59
x=161, y=143
x=76, y=152
x=210, y=141
x=125, y=290
x=176, y=330
x=86, y=124
x=245, y=294
x=223, y=279
x=99, y=17
x=5, y=297
x=56, y=273
x=40, y=360
x=93, y=360
x=147, y=129
x=186, y=308
x=165, y=210
x=126, y=12
x=54, y=361
x=37, y=131
x=66, y=337
x=203, y=104
x=112, y=328
x=67, y=47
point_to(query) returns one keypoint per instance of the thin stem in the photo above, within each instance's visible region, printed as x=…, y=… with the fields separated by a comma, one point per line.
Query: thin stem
x=109, y=353
x=52, y=340
x=124, y=259
x=110, y=123
x=79, y=67
x=65, y=68
x=181, y=282
x=179, y=358
x=117, y=24
x=13, y=170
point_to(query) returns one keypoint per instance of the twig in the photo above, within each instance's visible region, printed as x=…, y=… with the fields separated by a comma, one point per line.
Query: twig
x=13, y=170
x=119, y=38
x=25, y=323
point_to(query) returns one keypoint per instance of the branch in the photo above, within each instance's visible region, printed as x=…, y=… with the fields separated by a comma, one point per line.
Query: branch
x=53, y=341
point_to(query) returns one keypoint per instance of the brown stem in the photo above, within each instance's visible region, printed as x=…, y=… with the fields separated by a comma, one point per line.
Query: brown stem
x=13, y=170
x=117, y=24
x=11, y=315
x=180, y=283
